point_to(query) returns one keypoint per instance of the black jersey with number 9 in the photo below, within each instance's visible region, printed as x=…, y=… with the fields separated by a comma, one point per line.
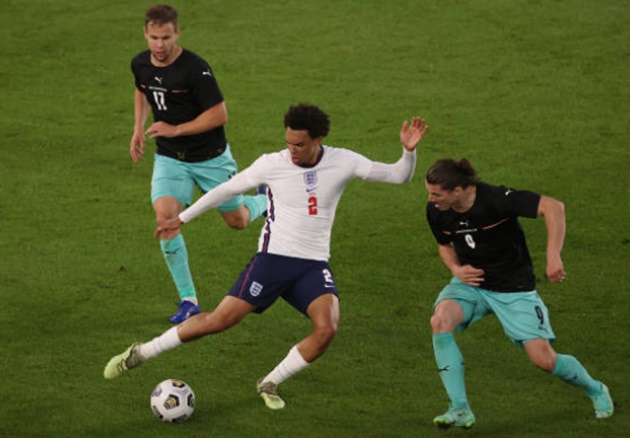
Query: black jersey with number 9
x=488, y=236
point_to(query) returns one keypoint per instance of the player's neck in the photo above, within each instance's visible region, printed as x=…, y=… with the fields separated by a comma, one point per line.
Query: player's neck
x=467, y=200
x=317, y=158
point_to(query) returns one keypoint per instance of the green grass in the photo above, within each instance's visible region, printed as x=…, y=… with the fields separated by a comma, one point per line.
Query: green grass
x=535, y=93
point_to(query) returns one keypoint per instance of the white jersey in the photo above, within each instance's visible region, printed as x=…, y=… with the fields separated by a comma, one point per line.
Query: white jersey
x=303, y=200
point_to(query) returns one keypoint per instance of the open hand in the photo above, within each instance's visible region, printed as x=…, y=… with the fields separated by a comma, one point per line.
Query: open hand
x=168, y=225
x=411, y=134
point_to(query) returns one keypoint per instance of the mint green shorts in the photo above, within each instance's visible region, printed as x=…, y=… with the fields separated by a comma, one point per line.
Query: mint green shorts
x=523, y=315
x=178, y=179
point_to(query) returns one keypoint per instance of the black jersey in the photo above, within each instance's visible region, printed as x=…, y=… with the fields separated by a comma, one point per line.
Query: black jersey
x=489, y=236
x=178, y=93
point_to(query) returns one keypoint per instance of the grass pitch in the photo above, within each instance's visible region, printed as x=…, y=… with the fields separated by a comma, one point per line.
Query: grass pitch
x=535, y=93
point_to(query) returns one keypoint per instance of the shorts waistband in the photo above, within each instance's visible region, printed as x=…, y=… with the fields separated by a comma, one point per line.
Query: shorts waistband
x=194, y=156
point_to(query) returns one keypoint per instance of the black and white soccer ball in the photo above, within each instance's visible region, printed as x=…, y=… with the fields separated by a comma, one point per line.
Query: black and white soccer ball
x=173, y=401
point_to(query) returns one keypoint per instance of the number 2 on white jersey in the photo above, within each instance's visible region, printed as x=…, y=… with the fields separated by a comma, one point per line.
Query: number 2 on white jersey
x=312, y=205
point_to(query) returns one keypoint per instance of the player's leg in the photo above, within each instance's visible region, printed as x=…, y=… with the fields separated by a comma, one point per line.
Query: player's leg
x=448, y=315
x=175, y=254
x=324, y=315
x=313, y=293
x=228, y=313
x=571, y=371
x=171, y=189
x=242, y=209
x=241, y=217
x=525, y=319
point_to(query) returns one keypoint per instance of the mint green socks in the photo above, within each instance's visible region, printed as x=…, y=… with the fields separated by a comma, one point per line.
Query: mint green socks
x=256, y=205
x=573, y=372
x=176, y=257
x=450, y=363
x=451, y=366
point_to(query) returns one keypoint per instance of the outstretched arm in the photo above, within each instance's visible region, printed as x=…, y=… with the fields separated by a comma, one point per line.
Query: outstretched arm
x=215, y=197
x=553, y=212
x=402, y=171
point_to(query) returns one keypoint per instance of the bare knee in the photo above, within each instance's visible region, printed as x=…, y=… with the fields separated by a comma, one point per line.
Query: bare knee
x=324, y=335
x=438, y=324
x=238, y=223
x=541, y=354
x=546, y=364
x=162, y=217
x=237, y=219
x=443, y=322
x=166, y=208
x=448, y=314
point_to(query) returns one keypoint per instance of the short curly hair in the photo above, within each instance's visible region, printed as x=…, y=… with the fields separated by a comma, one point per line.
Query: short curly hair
x=307, y=117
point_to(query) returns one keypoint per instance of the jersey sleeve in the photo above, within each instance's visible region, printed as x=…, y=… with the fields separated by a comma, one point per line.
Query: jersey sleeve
x=135, y=65
x=522, y=203
x=433, y=220
x=397, y=173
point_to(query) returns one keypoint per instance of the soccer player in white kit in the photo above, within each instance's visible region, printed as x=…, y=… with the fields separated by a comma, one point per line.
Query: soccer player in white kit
x=304, y=184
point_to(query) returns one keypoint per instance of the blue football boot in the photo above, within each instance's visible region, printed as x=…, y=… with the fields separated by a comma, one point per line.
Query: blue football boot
x=186, y=310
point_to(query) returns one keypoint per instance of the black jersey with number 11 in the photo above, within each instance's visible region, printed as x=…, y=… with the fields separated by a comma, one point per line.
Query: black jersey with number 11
x=178, y=93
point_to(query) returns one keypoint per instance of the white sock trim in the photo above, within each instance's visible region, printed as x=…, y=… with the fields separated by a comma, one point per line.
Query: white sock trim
x=165, y=342
x=292, y=364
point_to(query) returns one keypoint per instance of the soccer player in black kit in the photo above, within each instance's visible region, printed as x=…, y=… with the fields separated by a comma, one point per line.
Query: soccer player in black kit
x=189, y=112
x=482, y=243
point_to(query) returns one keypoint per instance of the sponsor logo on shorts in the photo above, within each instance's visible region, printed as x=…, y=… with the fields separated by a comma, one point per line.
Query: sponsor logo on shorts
x=255, y=289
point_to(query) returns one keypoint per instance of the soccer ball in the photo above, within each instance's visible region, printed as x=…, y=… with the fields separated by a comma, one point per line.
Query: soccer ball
x=173, y=401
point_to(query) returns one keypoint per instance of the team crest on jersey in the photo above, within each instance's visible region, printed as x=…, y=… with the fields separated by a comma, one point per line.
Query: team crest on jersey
x=255, y=289
x=310, y=178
